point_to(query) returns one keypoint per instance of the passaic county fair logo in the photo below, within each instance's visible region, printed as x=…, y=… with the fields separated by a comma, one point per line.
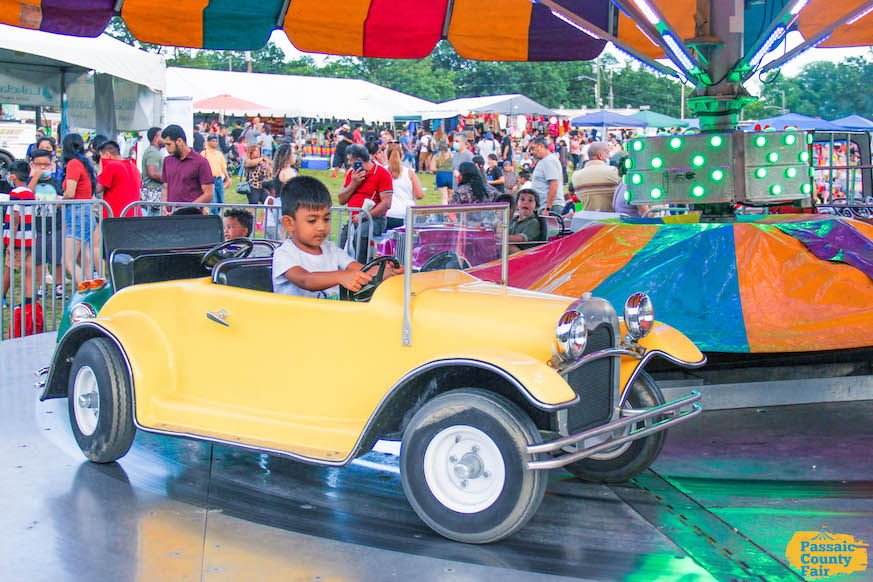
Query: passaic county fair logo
x=822, y=554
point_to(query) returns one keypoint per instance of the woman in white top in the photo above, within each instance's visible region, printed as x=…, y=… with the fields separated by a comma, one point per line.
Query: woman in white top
x=407, y=188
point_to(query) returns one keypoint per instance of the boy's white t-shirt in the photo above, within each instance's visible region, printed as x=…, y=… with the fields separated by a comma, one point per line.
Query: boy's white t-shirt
x=287, y=256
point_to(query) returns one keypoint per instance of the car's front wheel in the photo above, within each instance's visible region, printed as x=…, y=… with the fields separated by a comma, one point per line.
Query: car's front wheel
x=100, y=401
x=625, y=461
x=463, y=464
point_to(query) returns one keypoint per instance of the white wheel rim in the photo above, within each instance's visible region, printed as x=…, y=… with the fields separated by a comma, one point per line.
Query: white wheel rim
x=464, y=469
x=86, y=400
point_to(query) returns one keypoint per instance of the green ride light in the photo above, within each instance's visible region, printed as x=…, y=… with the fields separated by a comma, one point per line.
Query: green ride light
x=698, y=191
x=803, y=156
x=806, y=189
x=655, y=193
x=790, y=172
x=761, y=173
x=638, y=145
x=809, y=138
x=627, y=195
x=637, y=179
x=657, y=162
x=760, y=141
x=716, y=141
x=776, y=189
x=628, y=163
x=811, y=172
x=790, y=139
x=675, y=143
x=773, y=157
x=717, y=175
x=698, y=161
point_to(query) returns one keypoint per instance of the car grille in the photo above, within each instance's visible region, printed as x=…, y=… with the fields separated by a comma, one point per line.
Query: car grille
x=593, y=383
x=399, y=246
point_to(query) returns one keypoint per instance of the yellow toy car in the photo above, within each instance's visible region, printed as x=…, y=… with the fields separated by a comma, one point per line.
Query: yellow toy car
x=488, y=387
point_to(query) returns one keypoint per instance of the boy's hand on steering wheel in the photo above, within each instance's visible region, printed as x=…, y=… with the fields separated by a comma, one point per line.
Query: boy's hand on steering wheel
x=354, y=280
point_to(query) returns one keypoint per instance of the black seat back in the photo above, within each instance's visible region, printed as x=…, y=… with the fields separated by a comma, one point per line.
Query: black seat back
x=129, y=267
x=254, y=274
x=142, y=233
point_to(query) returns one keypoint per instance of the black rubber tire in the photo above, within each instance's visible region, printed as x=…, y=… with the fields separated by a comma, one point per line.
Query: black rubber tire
x=115, y=429
x=510, y=429
x=5, y=163
x=643, y=394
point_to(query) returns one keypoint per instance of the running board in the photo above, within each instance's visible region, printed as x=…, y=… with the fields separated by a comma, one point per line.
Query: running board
x=772, y=393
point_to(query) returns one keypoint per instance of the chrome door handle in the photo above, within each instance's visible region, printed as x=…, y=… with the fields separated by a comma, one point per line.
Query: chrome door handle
x=218, y=317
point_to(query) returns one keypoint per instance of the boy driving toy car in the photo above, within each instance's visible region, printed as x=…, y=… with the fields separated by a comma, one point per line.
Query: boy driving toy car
x=307, y=264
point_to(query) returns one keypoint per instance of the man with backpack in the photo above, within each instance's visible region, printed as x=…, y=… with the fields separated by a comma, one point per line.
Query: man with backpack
x=425, y=152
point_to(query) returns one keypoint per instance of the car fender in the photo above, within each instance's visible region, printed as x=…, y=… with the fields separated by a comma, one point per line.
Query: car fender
x=143, y=348
x=662, y=342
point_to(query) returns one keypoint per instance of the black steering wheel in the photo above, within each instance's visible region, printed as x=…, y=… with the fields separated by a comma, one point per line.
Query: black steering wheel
x=560, y=221
x=366, y=292
x=238, y=248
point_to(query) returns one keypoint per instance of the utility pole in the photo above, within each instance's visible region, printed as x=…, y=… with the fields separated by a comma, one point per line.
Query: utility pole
x=611, y=96
x=597, y=83
x=784, y=109
x=248, y=61
x=229, y=63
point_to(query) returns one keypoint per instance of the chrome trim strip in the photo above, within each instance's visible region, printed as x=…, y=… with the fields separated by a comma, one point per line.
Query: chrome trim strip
x=599, y=355
x=648, y=356
x=671, y=407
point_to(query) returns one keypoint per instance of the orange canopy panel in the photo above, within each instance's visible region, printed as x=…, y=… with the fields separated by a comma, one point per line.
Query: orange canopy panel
x=509, y=30
x=821, y=13
x=680, y=15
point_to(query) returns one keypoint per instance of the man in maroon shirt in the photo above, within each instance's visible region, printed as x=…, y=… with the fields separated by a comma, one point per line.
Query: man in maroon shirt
x=118, y=179
x=370, y=188
x=186, y=175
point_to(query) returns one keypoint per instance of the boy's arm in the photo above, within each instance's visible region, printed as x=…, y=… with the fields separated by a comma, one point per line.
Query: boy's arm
x=351, y=279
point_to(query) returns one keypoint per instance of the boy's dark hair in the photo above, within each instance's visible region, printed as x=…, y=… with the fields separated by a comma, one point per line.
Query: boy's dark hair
x=493, y=157
x=110, y=147
x=152, y=132
x=533, y=193
x=174, y=132
x=304, y=192
x=507, y=198
x=40, y=154
x=20, y=169
x=372, y=147
x=243, y=217
x=187, y=210
x=524, y=174
x=479, y=161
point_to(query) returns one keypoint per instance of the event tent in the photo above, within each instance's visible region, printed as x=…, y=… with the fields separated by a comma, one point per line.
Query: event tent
x=514, y=104
x=297, y=96
x=855, y=123
x=802, y=122
x=110, y=85
x=607, y=119
x=229, y=105
x=659, y=120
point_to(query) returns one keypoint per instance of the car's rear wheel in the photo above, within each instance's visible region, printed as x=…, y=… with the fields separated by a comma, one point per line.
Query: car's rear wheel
x=463, y=465
x=5, y=163
x=100, y=401
x=625, y=461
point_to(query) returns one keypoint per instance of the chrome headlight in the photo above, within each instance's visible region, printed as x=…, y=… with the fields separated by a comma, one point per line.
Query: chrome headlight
x=639, y=315
x=81, y=312
x=571, y=335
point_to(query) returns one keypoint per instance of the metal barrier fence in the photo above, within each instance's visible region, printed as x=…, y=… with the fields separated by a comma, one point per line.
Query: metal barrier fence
x=41, y=271
x=267, y=220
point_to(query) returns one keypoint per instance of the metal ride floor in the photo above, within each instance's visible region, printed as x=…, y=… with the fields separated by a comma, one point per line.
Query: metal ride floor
x=728, y=492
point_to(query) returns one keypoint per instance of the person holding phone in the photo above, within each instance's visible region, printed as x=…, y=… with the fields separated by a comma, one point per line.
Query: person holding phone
x=369, y=186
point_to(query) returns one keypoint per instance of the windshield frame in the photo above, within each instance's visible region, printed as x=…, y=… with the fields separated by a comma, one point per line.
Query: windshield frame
x=409, y=224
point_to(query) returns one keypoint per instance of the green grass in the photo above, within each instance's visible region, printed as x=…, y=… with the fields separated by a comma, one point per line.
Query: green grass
x=335, y=185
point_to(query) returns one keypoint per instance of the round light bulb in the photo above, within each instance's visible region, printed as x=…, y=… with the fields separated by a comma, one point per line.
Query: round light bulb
x=675, y=143
x=638, y=145
x=790, y=139
x=760, y=141
x=803, y=156
x=657, y=162
x=697, y=191
x=637, y=179
x=776, y=189
x=655, y=193
x=716, y=141
x=773, y=157
x=806, y=189
x=761, y=173
x=717, y=175
x=790, y=172
x=698, y=161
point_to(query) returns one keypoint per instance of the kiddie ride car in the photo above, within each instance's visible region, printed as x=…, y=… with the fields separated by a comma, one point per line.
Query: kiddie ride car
x=459, y=240
x=487, y=386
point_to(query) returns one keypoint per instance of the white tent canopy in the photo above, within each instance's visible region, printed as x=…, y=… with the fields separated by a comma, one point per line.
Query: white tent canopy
x=514, y=104
x=297, y=96
x=109, y=84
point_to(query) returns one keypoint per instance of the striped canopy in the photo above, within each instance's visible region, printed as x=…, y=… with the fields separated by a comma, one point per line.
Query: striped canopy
x=778, y=284
x=508, y=30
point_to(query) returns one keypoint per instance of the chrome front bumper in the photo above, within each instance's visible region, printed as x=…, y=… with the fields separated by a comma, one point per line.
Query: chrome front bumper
x=677, y=411
x=40, y=380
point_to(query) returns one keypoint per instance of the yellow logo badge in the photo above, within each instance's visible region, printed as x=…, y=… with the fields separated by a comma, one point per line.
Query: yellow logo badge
x=822, y=554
